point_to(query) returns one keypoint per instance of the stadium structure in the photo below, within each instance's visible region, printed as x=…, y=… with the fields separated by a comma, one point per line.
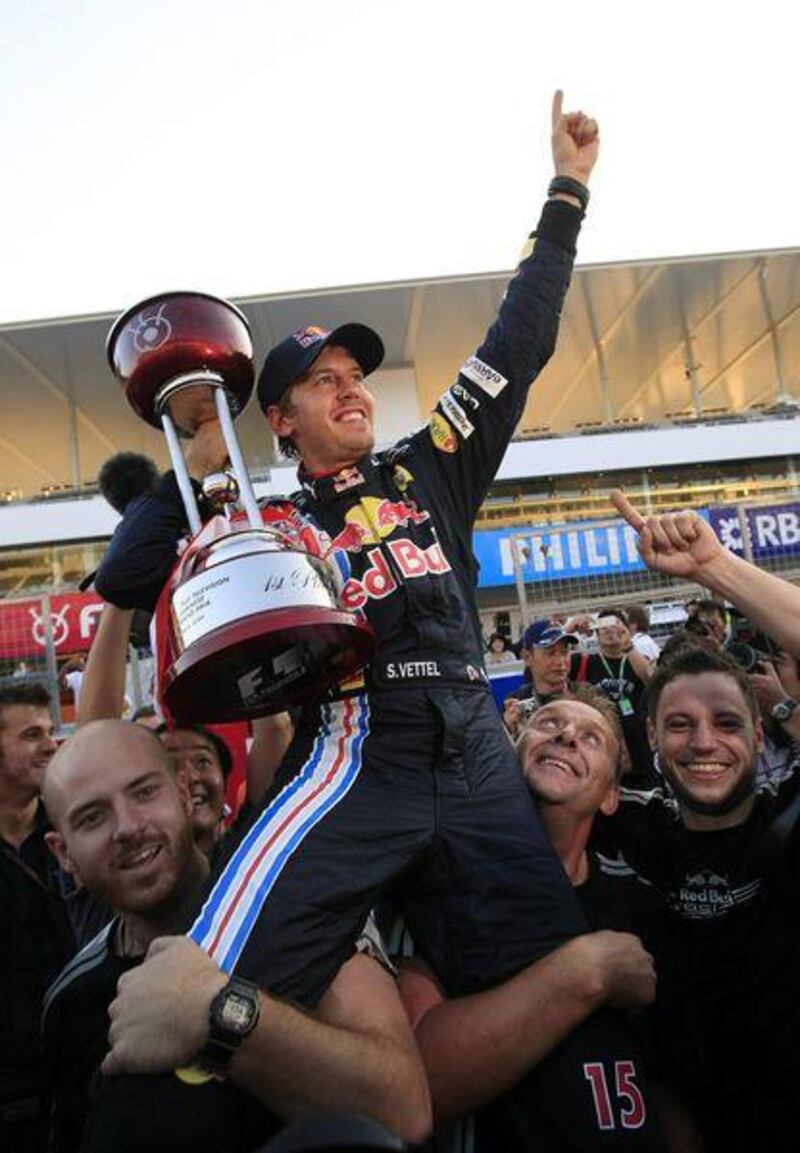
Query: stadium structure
x=678, y=380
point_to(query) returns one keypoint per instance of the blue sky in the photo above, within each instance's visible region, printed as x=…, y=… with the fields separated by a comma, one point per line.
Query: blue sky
x=247, y=148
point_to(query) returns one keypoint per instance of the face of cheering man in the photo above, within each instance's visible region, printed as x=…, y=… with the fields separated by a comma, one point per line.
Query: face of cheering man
x=328, y=413
x=26, y=746
x=121, y=817
x=196, y=762
x=708, y=740
x=569, y=755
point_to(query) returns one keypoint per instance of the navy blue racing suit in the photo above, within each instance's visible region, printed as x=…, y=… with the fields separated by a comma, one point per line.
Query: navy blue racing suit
x=407, y=783
x=413, y=775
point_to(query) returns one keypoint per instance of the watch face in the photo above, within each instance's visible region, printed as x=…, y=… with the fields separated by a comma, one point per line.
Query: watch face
x=237, y=1013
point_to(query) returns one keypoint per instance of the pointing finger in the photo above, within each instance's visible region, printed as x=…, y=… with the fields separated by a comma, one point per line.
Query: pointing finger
x=626, y=510
x=558, y=101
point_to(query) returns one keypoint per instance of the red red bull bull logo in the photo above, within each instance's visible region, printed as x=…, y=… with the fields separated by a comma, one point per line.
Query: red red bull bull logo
x=378, y=580
x=372, y=519
x=352, y=538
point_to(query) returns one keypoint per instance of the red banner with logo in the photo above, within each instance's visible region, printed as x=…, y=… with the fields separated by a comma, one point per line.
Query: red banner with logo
x=73, y=618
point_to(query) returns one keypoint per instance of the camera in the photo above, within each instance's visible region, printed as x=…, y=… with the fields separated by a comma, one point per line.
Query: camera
x=528, y=707
x=746, y=657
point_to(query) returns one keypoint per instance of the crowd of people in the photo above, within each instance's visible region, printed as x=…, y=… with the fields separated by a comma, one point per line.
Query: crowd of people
x=568, y=928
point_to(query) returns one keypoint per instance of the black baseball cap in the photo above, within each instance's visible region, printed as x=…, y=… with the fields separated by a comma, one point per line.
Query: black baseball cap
x=293, y=357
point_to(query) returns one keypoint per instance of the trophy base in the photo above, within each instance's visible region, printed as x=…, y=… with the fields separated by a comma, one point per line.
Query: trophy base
x=266, y=663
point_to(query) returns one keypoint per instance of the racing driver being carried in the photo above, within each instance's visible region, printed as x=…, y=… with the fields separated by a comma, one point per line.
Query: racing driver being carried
x=410, y=775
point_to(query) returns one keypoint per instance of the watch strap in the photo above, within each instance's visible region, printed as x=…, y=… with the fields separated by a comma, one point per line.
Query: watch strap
x=224, y=1039
x=783, y=710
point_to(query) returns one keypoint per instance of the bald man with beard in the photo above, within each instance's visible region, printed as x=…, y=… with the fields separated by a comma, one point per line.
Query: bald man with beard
x=122, y=827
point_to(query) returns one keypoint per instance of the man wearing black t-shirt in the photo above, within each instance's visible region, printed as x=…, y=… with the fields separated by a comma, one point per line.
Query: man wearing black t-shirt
x=571, y=753
x=621, y=671
x=724, y=857
x=123, y=827
x=35, y=933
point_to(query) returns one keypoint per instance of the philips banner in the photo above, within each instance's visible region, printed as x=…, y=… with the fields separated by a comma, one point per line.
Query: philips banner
x=557, y=552
x=563, y=552
x=774, y=529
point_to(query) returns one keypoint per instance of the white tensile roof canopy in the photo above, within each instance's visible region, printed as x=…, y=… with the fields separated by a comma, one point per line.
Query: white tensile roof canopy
x=640, y=343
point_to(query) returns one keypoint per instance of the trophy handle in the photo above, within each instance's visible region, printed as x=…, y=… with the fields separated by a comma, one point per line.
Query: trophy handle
x=181, y=473
x=246, y=493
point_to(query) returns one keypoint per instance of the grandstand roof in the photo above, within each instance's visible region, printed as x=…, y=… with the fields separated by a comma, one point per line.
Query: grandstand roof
x=643, y=343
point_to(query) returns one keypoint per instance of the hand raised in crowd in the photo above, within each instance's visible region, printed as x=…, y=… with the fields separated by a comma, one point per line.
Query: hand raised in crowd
x=582, y=624
x=615, y=632
x=767, y=686
x=575, y=141
x=159, y=1018
x=680, y=544
x=787, y=669
x=513, y=716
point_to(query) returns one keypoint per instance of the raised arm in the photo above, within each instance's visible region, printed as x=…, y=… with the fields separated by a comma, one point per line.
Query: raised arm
x=103, y=687
x=683, y=545
x=475, y=419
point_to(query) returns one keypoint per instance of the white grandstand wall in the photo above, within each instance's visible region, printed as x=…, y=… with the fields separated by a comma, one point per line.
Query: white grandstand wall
x=59, y=519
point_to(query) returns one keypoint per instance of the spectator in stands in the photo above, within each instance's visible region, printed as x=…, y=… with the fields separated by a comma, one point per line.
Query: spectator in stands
x=545, y=653
x=621, y=671
x=122, y=824
x=499, y=651
x=639, y=626
x=35, y=933
x=489, y=1051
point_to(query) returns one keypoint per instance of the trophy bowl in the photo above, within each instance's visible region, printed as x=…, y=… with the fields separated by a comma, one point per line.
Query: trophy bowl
x=254, y=626
x=177, y=337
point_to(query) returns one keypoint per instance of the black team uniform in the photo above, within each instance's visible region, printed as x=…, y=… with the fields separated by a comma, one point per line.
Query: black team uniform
x=36, y=939
x=412, y=773
x=727, y=1013
x=75, y=1041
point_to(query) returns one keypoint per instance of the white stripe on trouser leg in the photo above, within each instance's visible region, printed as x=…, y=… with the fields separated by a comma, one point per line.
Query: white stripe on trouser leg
x=228, y=915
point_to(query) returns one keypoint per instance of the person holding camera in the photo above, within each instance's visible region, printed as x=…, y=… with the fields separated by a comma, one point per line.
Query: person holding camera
x=621, y=671
x=546, y=649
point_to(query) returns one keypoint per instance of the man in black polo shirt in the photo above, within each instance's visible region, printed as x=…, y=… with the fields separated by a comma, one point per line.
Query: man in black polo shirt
x=35, y=935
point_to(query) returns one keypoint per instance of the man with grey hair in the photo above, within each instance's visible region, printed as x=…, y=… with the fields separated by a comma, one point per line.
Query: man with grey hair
x=572, y=755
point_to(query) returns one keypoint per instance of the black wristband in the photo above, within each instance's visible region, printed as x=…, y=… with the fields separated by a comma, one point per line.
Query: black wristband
x=559, y=223
x=570, y=187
